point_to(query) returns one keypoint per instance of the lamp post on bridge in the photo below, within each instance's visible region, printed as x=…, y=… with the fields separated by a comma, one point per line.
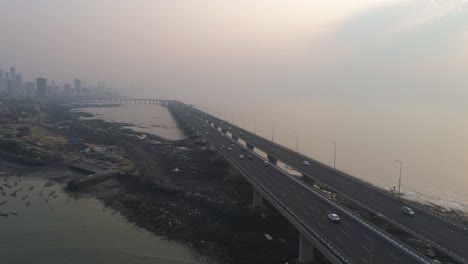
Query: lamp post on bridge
x=255, y=126
x=399, y=179
x=297, y=141
x=272, y=133
x=334, y=155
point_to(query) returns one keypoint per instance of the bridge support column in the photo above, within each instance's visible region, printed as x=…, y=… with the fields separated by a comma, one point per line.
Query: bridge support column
x=250, y=146
x=306, y=250
x=257, y=199
x=235, y=137
x=272, y=159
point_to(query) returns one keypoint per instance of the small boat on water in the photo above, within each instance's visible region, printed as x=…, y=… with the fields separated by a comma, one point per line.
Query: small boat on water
x=3, y=214
x=24, y=197
x=3, y=202
x=28, y=203
x=13, y=194
x=14, y=213
x=18, y=190
x=46, y=200
x=51, y=193
x=1, y=188
x=30, y=188
x=40, y=193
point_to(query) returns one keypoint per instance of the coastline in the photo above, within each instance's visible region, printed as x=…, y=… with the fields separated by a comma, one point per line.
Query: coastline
x=203, y=204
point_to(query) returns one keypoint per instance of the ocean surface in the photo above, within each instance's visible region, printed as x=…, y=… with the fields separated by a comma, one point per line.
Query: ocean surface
x=430, y=140
x=67, y=230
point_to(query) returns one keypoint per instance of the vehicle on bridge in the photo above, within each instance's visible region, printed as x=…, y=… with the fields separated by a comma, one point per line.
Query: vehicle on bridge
x=334, y=218
x=407, y=211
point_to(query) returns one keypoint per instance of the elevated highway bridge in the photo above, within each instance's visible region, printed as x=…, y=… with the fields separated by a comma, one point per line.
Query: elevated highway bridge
x=446, y=235
x=352, y=240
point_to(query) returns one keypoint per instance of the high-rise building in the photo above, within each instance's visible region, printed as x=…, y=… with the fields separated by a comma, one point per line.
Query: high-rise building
x=2, y=83
x=77, y=87
x=41, y=85
x=13, y=78
x=29, y=89
x=10, y=88
x=68, y=92
x=19, y=91
x=12, y=72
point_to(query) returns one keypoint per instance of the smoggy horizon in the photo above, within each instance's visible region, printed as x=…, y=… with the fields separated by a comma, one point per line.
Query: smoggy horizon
x=368, y=51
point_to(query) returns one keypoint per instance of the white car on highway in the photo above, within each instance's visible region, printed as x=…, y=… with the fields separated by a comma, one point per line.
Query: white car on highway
x=407, y=211
x=305, y=163
x=334, y=218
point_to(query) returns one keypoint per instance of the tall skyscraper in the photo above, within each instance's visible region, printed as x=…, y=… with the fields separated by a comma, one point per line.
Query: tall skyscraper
x=2, y=83
x=19, y=85
x=68, y=92
x=12, y=72
x=13, y=79
x=41, y=85
x=77, y=87
x=29, y=89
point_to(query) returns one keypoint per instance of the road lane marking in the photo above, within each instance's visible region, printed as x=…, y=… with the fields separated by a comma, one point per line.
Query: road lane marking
x=364, y=260
x=368, y=238
x=322, y=226
x=342, y=231
x=339, y=240
x=305, y=212
x=366, y=248
x=393, y=256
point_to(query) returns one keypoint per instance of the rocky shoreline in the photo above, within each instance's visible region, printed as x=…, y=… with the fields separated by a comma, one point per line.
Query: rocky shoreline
x=182, y=193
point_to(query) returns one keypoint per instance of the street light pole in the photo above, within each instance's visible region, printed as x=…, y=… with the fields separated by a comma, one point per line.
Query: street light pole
x=334, y=155
x=272, y=133
x=399, y=179
x=297, y=141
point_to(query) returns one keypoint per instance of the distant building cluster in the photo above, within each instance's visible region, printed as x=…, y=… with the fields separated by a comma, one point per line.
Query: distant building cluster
x=12, y=85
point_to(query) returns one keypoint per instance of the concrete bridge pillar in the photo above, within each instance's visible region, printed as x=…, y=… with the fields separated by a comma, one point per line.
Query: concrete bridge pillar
x=306, y=250
x=257, y=199
x=272, y=159
x=236, y=138
x=250, y=146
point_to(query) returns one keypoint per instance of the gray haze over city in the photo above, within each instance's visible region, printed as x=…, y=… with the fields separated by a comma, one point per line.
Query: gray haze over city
x=385, y=79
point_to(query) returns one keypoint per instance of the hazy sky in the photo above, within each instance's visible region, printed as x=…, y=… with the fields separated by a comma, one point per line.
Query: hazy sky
x=366, y=49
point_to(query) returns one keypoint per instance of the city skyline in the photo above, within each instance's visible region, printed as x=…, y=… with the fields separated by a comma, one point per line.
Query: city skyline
x=12, y=85
x=312, y=49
